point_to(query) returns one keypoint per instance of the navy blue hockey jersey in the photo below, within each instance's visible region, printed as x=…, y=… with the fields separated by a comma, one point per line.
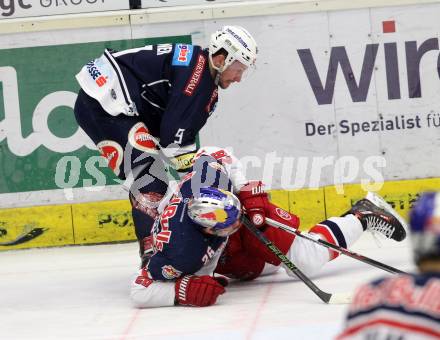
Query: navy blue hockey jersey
x=172, y=88
x=401, y=307
x=181, y=246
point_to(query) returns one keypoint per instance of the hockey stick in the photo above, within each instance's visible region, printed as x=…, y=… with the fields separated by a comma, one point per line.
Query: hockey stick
x=332, y=246
x=325, y=297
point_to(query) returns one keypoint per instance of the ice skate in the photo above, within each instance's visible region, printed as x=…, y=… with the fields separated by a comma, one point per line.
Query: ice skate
x=377, y=216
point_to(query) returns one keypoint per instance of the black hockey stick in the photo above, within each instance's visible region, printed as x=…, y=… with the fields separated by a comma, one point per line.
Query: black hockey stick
x=325, y=297
x=332, y=246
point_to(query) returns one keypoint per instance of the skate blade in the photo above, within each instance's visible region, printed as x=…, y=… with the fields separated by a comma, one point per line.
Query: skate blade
x=381, y=203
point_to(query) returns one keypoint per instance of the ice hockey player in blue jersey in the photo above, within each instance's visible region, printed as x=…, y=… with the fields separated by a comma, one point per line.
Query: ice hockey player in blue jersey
x=144, y=107
x=188, y=238
x=198, y=233
x=405, y=306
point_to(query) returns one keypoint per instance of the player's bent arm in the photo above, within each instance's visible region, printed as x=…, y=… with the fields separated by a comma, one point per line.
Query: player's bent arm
x=161, y=284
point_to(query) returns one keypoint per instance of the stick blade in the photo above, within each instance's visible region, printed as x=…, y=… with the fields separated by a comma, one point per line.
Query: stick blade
x=340, y=298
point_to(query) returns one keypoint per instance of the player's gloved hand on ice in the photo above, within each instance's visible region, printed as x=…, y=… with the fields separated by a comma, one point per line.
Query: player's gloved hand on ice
x=199, y=291
x=255, y=201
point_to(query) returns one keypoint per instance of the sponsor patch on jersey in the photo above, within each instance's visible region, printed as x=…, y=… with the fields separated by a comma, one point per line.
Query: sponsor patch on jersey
x=183, y=162
x=97, y=71
x=182, y=55
x=212, y=102
x=164, y=49
x=140, y=138
x=283, y=214
x=113, y=152
x=236, y=36
x=257, y=219
x=169, y=272
x=144, y=279
x=196, y=76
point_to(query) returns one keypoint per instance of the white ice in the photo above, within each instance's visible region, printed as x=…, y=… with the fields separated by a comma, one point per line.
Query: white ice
x=83, y=293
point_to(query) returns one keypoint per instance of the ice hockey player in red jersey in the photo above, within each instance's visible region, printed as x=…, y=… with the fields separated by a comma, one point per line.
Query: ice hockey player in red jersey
x=405, y=306
x=198, y=233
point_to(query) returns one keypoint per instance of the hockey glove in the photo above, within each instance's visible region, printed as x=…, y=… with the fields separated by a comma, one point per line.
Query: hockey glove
x=199, y=291
x=255, y=201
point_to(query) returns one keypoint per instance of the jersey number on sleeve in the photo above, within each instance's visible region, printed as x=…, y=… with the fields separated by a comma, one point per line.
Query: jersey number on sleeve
x=179, y=136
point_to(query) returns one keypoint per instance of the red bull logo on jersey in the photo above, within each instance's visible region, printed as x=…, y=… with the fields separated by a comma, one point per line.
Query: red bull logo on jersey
x=169, y=272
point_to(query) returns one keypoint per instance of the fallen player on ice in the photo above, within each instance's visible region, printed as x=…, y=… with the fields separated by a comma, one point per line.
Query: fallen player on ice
x=199, y=232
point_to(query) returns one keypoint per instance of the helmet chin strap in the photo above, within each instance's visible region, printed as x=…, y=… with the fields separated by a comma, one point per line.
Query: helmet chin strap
x=218, y=70
x=217, y=78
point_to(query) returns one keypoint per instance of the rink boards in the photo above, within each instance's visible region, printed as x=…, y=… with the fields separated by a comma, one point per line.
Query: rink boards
x=346, y=83
x=110, y=221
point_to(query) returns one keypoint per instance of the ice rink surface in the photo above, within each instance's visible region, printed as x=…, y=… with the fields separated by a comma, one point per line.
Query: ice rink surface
x=83, y=293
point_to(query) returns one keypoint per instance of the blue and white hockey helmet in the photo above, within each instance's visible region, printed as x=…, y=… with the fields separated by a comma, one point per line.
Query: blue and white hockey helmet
x=215, y=208
x=425, y=227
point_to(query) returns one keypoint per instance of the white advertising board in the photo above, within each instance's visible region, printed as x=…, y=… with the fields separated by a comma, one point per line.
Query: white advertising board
x=10, y=9
x=159, y=3
x=333, y=89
